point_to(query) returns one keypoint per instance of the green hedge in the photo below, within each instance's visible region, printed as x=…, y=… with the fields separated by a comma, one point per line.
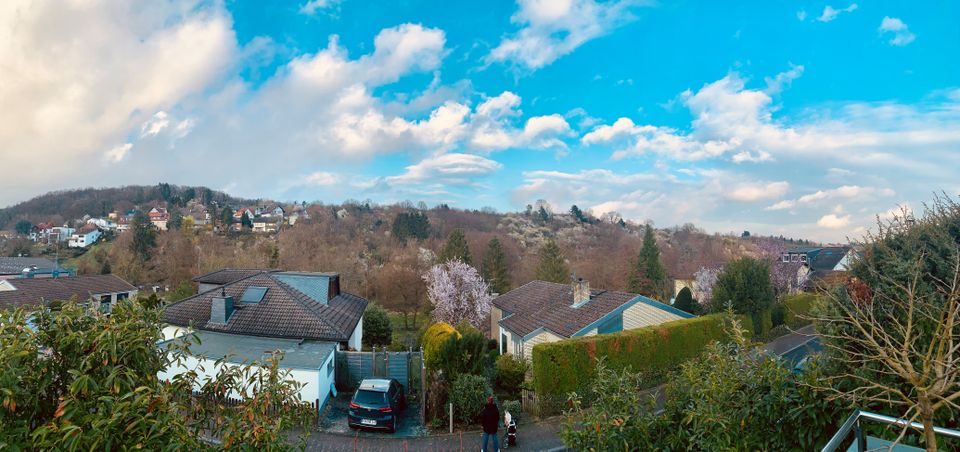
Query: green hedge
x=799, y=305
x=569, y=365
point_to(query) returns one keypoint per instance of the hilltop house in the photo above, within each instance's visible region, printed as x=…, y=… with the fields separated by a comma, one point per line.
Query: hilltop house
x=304, y=315
x=541, y=311
x=159, y=217
x=99, y=292
x=85, y=236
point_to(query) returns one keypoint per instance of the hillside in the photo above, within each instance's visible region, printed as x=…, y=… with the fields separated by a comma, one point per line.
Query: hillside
x=359, y=241
x=61, y=206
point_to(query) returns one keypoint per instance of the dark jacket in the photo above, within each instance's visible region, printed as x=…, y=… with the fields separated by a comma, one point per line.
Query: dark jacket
x=490, y=418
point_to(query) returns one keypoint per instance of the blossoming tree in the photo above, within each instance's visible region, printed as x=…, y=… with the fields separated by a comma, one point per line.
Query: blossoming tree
x=458, y=292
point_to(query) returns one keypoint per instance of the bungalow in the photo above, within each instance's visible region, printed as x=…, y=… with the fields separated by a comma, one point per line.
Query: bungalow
x=266, y=224
x=304, y=315
x=99, y=292
x=541, y=311
x=15, y=267
x=85, y=236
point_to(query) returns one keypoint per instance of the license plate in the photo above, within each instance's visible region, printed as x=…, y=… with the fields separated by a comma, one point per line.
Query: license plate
x=368, y=422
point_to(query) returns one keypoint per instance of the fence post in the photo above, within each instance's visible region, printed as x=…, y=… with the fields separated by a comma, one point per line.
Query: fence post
x=451, y=417
x=423, y=389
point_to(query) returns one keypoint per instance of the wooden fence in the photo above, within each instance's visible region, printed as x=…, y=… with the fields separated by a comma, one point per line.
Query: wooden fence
x=406, y=367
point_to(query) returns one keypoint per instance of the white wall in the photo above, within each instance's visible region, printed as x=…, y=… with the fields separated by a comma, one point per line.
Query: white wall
x=640, y=315
x=541, y=338
x=356, y=339
x=317, y=383
x=174, y=331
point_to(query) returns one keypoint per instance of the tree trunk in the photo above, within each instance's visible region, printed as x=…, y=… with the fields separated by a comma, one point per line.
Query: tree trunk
x=926, y=415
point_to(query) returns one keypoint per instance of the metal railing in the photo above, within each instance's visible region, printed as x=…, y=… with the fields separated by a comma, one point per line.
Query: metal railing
x=860, y=439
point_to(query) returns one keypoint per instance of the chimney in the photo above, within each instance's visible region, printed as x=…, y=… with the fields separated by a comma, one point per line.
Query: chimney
x=581, y=292
x=333, y=286
x=221, y=307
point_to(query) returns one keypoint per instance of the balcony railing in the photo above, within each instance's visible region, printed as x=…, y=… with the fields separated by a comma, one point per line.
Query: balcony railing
x=860, y=439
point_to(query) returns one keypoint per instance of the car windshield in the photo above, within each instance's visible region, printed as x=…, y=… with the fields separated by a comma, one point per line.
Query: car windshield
x=369, y=398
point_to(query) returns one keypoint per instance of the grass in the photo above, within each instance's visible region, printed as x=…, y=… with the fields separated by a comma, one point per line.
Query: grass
x=408, y=337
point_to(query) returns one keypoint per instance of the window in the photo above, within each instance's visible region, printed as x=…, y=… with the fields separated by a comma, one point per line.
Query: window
x=794, y=258
x=123, y=296
x=253, y=294
x=105, y=303
x=803, y=258
x=330, y=367
x=503, y=343
x=786, y=257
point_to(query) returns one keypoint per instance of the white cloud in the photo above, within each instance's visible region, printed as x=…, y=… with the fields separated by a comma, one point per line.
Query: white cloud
x=832, y=221
x=447, y=169
x=901, y=33
x=756, y=191
x=117, y=153
x=551, y=29
x=802, y=15
x=783, y=79
x=782, y=205
x=322, y=178
x=78, y=76
x=830, y=13
x=314, y=6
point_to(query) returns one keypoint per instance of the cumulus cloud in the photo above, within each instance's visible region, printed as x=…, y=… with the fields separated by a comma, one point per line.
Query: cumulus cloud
x=833, y=221
x=896, y=27
x=551, y=29
x=830, y=13
x=447, y=169
x=757, y=191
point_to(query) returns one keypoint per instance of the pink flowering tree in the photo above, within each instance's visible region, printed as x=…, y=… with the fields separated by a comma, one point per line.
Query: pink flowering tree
x=457, y=293
x=704, y=280
x=783, y=275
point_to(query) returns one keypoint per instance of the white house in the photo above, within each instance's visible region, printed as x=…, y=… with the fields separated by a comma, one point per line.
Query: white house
x=85, y=236
x=542, y=311
x=302, y=314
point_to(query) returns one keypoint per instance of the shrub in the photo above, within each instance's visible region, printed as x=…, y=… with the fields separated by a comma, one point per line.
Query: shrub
x=433, y=338
x=778, y=314
x=466, y=354
x=469, y=395
x=798, y=306
x=510, y=373
x=685, y=301
x=377, y=329
x=569, y=365
x=745, y=285
x=438, y=392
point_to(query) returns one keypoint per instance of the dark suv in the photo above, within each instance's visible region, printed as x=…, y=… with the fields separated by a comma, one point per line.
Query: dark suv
x=377, y=404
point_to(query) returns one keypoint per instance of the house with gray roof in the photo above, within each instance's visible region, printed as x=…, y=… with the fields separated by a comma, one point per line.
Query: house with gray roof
x=15, y=267
x=246, y=318
x=541, y=311
x=100, y=292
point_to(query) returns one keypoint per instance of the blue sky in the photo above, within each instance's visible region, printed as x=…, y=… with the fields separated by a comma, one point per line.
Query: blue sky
x=806, y=119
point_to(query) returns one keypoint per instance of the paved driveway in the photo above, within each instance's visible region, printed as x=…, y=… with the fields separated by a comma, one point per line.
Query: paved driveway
x=542, y=436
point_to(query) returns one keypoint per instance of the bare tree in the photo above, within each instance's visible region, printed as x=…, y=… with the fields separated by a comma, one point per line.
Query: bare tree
x=898, y=342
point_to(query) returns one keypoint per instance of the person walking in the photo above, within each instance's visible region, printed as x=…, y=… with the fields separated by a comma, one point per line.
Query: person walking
x=490, y=419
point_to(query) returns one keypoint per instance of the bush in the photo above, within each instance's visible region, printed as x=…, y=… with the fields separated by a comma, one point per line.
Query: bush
x=377, y=329
x=466, y=354
x=469, y=395
x=433, y=338
x=778, y=314
x=685, y=301
x=510, y=373
x=798, y=306
x=569, y=365
x=745, y=285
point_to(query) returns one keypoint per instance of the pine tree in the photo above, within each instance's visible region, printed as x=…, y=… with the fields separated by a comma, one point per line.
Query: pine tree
x=649, y=277
x=144, y=237
x=455, y=248
x=552, y=266
x=495, y=271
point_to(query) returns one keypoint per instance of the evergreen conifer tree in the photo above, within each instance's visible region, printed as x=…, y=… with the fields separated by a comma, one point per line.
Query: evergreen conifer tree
x=455, y=248
x=552, y=266
x=649, y=277
x=495, y=271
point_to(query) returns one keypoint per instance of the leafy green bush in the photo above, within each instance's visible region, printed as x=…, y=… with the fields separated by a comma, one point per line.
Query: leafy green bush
x=798, y=306
x=466, y=354
x=510, y=373
x=685, y=301
x=745, y=285
x=469, y=395
x=778, y=314
x=434, y=337
x=377, y=329
x=570, y=365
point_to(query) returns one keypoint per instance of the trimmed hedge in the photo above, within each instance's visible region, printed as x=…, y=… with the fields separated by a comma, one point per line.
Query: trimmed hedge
x=570, y=365
x=799, y=305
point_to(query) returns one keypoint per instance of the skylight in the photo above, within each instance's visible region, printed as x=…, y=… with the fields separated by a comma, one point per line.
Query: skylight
x=253, y=294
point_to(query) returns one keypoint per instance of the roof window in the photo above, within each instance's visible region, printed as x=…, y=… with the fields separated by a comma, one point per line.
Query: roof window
x=253, y=294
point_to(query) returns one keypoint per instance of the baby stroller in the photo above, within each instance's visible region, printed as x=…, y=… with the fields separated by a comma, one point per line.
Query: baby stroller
x=511, y=436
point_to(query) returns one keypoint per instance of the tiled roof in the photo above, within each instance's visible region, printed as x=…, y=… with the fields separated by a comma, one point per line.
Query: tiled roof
x=34, y=291
x=229, y=275
x=827, y=258
x=284, y=312
x=541, y=304
x=15, y=265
